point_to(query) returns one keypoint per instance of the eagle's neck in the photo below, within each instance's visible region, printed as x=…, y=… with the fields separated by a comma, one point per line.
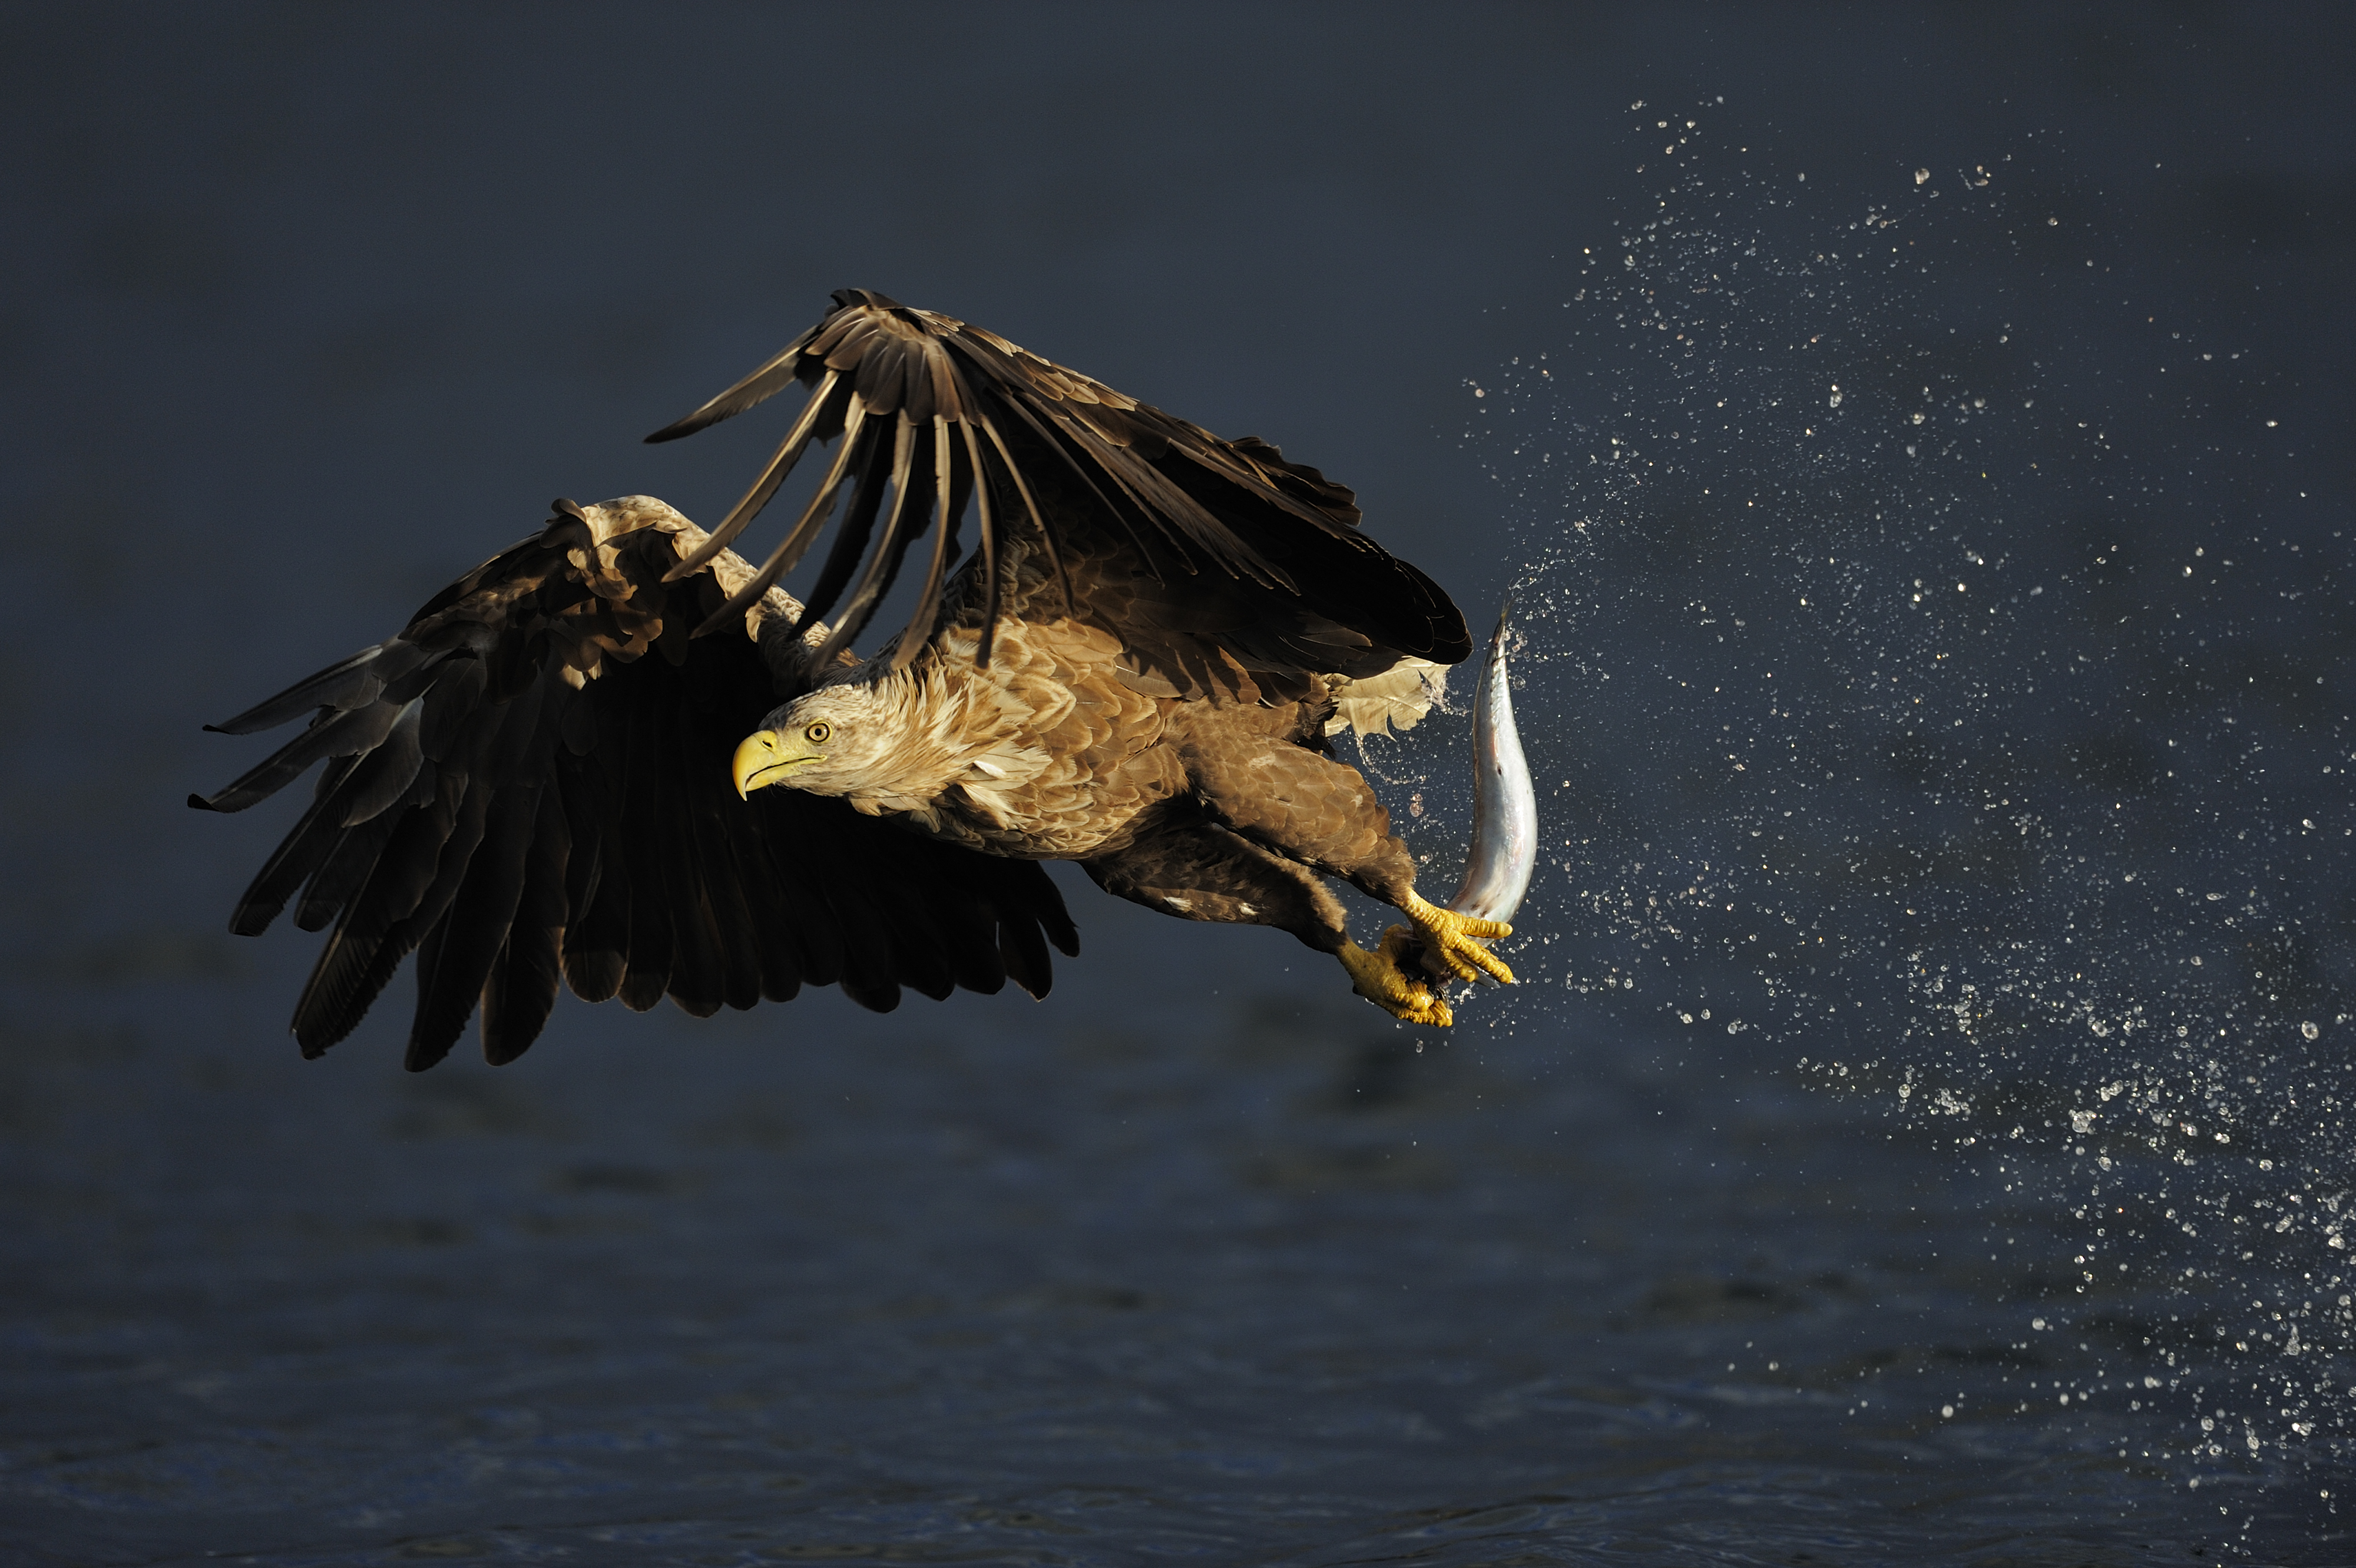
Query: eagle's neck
x=949, y=728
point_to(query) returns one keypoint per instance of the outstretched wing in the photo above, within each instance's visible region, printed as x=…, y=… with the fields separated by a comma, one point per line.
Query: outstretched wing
x=923, y=404
x=533, y=780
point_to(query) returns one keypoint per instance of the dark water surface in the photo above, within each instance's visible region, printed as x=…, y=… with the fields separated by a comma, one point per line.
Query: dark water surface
x=1270, y=1287
x=1921, y=1134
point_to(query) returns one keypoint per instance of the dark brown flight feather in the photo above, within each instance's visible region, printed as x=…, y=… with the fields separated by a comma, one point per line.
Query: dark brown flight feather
x=511, y=827
x=1185, y=500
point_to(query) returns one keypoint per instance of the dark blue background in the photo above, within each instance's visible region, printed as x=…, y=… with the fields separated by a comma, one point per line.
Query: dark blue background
x=308, y=311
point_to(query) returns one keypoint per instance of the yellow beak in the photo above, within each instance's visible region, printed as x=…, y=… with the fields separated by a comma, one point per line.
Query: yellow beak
x=761, y=760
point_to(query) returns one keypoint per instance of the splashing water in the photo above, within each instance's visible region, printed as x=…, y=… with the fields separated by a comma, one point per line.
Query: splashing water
x=2009, y=715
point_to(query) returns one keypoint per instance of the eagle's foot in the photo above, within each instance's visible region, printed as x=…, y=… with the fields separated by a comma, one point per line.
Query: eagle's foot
x=1449, y=936
x=1377, y=977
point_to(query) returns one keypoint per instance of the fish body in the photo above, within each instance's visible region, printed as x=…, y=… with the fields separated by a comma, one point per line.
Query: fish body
x=1504, y=803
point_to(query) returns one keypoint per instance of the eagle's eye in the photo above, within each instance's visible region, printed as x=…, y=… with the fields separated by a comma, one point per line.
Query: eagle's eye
x=816, y=734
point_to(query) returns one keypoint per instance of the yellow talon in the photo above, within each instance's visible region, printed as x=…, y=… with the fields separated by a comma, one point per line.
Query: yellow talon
x=1376, y=976
x=1449, y=936
x=1442, y=941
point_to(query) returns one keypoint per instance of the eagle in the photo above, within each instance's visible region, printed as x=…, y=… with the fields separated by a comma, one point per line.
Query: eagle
x=617, y=755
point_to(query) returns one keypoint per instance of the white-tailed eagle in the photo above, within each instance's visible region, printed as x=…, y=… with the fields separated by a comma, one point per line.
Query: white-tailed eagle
x=618, y=753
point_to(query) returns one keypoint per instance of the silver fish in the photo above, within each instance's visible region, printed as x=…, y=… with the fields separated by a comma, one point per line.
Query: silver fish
x=1505, y=804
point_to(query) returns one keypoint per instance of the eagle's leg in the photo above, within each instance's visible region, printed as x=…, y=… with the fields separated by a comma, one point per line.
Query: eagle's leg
x=1321, y=814
x=1189, y=865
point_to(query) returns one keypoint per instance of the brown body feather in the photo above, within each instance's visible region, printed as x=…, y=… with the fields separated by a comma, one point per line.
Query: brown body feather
x=1115, y=742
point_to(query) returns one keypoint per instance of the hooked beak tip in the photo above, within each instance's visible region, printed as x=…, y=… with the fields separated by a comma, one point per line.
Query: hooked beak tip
x=756, y=753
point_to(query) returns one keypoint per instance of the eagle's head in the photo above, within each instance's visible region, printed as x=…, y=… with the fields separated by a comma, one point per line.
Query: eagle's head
x=844, y=739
